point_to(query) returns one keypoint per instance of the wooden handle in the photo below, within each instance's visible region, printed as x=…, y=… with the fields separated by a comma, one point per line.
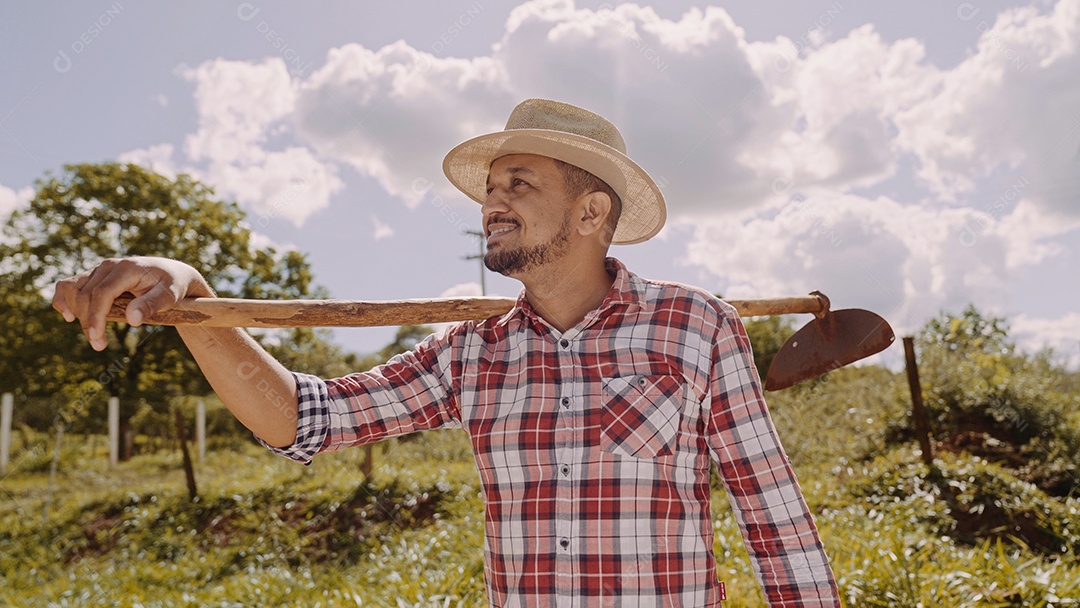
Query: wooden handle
x=233, y=312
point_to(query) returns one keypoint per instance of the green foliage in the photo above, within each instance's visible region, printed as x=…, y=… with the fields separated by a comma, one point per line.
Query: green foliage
x=26, y=369
x=446, y=445
x=973, y=531
x=278, y=532
x=311, y=351
x=91, y=212
x=767, y=335
x=843, y=415
x=987, y=398
x=967, y=498
x=285, y=534
x=405, y=339
x=919, y=540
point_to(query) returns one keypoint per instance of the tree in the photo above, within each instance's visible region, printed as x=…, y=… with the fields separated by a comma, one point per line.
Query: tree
x=36, y=375
x=987, y=398
x=95, y=211
x=767, y=335
x=405, y=339
x=311, y=351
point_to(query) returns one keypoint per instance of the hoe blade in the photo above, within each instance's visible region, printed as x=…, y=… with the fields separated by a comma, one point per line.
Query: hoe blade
x=831, y=341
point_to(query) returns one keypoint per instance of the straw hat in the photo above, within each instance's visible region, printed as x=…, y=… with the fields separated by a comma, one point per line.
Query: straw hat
x=573, y=135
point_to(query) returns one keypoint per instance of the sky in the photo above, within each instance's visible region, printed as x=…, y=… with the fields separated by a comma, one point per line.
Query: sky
x=908, y=158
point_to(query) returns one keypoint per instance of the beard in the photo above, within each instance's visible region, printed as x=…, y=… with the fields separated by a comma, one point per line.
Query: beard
x=510, y=260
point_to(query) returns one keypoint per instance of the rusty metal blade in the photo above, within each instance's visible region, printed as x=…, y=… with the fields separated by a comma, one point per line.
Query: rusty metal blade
x=837, y=338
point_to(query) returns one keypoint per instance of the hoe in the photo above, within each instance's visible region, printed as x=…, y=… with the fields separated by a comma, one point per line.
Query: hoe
x=833, y=339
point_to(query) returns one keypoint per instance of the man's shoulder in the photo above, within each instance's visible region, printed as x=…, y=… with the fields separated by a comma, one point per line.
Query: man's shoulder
x=661, y=290
x=662, y=295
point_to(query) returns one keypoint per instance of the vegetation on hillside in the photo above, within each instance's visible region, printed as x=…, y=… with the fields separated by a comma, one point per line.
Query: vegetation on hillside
x=992, y=523
x=91, y=212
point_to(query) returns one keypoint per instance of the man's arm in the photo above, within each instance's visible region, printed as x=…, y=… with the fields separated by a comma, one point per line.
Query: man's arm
x=257, y=389
x=777, y=526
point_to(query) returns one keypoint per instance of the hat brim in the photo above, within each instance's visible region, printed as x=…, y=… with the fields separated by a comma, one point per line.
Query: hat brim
x=643, y=208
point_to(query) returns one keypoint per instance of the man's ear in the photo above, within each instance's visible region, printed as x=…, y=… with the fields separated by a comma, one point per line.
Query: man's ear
x=594, y=209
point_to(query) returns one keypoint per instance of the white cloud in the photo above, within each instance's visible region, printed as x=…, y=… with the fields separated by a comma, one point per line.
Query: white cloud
x=393, y=113
x=1028, y=232
x=237, y=102
x=737, y=117
x=904, y=261
x=683, y=92
x=837, y=101
x=260, y=241
x=382, y=229
x=11, y=199
x=996, y=144
x=1061, y=334
x=1012, y=105
x=158, y=157
x=462, y=290
x=729, y=128
x=291, y=184
x=244, y=112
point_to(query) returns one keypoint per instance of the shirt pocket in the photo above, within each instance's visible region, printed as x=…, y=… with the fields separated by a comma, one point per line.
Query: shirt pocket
x=641, y=415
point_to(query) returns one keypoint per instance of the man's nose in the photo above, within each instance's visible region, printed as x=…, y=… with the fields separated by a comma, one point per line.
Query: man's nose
x=495, y=202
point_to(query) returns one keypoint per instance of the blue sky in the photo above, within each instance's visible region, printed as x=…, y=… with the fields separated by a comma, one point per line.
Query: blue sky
x=907, y=159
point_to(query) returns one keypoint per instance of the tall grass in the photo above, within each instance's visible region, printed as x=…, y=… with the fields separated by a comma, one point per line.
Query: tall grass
x=269, y=532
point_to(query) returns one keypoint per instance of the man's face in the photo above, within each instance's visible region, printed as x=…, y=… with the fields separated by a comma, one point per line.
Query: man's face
x=526, y=214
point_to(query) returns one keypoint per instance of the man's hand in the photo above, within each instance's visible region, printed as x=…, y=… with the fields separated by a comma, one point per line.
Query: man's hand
x=239, y=370
x=157, y=283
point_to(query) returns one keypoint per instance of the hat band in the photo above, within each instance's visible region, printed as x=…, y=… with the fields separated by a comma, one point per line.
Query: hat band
x=581, y=154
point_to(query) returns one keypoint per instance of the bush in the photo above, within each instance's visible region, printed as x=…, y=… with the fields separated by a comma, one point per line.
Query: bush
x=988, y=399
x=968, y=499
x=844, y=415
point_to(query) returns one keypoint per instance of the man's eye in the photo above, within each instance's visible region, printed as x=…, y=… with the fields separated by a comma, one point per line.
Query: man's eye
x=519, y=182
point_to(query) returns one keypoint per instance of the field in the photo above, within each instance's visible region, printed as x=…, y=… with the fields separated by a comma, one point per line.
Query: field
x=265, y=531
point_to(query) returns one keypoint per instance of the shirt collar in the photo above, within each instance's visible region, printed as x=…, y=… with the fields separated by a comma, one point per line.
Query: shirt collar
x=628, y=289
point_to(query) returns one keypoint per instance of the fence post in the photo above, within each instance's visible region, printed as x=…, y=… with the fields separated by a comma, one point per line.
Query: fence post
x=60, y=425
x=918, y=410
x=200, y=428
x=367, y=467
x=114, y=430
x=6, y=403
x=189, y=471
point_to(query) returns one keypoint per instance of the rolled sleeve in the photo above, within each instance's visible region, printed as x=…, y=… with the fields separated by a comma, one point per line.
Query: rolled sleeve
x=313, y=416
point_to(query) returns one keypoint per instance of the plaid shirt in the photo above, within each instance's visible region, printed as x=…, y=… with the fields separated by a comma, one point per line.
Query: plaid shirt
x=593, y=448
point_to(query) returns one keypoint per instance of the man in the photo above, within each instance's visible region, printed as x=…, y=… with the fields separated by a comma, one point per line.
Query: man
x=593, y=406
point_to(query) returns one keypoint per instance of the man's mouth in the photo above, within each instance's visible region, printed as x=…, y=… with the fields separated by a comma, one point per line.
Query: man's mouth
x=499, y=229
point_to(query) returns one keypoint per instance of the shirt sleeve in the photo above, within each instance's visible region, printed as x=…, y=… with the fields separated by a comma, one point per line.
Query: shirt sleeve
x=411, y=392
x=788, y=556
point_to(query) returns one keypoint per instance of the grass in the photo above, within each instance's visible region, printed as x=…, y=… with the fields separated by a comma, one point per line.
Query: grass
x=266, y=531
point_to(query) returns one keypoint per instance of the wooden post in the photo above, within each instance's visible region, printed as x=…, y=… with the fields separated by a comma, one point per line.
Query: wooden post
x=60, y=424
x=6, y=403
x=114, y=430
x=918, y=410
x=367, y=467
x=189, y=471
x=200, y=429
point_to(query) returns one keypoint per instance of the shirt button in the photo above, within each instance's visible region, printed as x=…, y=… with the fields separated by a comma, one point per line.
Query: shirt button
x=565, y=470
x=564, y=542
x=564, y=343
x=566, y=402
